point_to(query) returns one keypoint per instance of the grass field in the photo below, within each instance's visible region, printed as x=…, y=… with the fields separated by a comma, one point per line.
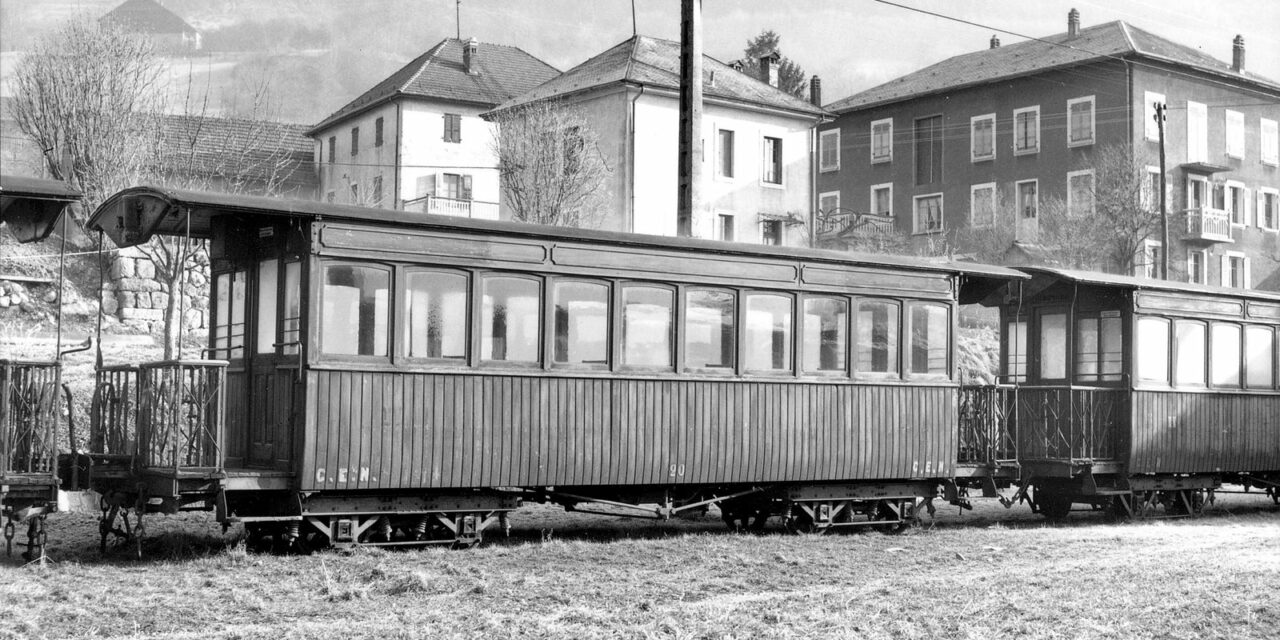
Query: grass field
x=988, y=574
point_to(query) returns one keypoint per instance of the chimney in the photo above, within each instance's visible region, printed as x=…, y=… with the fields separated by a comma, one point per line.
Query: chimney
x=769, y=68
x=995, y=42
x=1073, y=23
x=1237, y=54
x=815, y=91
x=469, y=52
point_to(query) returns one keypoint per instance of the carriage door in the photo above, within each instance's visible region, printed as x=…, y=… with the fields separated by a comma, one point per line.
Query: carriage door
x=274, y=366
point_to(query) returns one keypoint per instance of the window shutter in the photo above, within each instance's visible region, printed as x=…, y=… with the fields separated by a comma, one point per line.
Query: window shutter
x=439, y=185
x=1226, y=271
x=1260, y=208
x=1248, y=281
x=1191, y=267
x=466, y=187
x=1246, y=203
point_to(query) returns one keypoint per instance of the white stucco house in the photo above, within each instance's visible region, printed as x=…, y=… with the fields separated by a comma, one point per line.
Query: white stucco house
x=756, y=144
x=415, y=141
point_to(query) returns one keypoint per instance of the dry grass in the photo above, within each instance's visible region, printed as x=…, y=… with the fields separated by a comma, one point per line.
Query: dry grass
x=987, y=574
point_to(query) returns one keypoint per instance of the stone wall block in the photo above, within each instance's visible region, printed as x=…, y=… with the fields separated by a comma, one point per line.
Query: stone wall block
x=145, y=269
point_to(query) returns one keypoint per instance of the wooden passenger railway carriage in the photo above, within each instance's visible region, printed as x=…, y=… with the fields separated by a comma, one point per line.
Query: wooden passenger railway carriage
x=30, y=209
x=1137, y=392
x=387, y=377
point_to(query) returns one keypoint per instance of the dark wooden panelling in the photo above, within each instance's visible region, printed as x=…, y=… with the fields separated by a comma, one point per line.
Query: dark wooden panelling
x=1205, y=432
x=1189, y=303
x=679, y=264
x=417, y=244
x=237, y=418
x=377, y=430
x=1263, y=310
x=876, y=279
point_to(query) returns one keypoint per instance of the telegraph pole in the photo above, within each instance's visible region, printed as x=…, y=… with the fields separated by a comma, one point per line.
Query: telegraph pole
x=689, y=168
x=1164, y=211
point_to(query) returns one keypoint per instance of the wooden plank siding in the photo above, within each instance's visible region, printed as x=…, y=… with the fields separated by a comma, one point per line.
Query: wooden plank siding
x=395, y=430
x=1205, y=432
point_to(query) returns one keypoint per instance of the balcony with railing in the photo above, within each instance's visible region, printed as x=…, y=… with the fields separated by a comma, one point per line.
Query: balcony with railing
x=1208, y=225
x=437, y=205
x=844, y=227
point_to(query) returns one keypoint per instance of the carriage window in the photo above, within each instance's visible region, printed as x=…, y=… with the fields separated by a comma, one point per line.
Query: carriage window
x=768, y=332
x=928, y=348
x=709, y=330
x=1153, y=350
x=1053, y=346
x=646, y=326
x=435, y=315
x=1224, y=355
x=357, y=302
x=1099, y=354
x=581, y=323
x=228, y=328
x=826, y=326
x=268, y=273
x=1189, y=353
x=292, y=321
x=877, y=350
x=1259, y=343
x=510, y=320
x=1015, y=351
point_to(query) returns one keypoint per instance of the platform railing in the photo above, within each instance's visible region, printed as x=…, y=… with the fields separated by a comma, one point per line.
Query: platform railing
x=986, y=435
x=113, y=424
x=28, y=416
x=181, y=421
x=1069, y=423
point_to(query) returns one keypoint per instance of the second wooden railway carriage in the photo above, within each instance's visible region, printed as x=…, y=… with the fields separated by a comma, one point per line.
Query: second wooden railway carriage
x=388, y=377
x=1134, y=393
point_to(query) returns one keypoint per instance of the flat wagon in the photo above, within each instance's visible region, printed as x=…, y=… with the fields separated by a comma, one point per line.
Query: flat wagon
x=1137, y=394
x=30, y=209
x=384, y=377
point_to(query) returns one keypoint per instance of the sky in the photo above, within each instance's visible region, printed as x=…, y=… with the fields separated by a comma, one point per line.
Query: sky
x=852, y=45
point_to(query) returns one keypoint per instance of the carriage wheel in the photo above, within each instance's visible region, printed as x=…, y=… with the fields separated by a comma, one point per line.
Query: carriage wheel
x=744, y=517
x=1053, y=505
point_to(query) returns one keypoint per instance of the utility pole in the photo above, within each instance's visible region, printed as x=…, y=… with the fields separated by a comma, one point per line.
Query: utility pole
x=1164, y=210
x=689, y=167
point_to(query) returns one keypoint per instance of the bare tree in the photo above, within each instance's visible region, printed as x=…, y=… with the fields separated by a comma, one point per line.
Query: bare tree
x=549, y=164
x=1106, y=220
x=88, y=95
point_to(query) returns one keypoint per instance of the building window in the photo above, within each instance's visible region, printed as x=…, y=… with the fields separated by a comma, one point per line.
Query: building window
x=724, y=227
x=1196, y=262
x=828, y=202
x=928, y=213
x=1080, y=122
x=452, y=127
x=355, y=194
x=1152, y=258
x=772, y=161
x=330, y=197
x=1268, y=209
x=882, y=199
x=1149, y=102
x=724, y=153
x=1026, y=130
x=1197, y=132
x=377, y=191
x=1235, y=270
x=1270, y=143
x=882, y=140
x=771, y=232
x=1235, y=133
x=982, y=205
x=454, y=186
x=829, y=150
x=333, y=149
x=1028, y=198
x=355, y=140
x=982, y=137
x=1197, y=192
x=1151, y=191
x=929, y=150
x=377, y=132
x=1235, y=202
x=1080, y=195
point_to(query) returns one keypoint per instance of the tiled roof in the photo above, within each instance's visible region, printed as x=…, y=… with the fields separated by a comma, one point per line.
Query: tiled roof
x=205, y=142
x=1112, y=39
x=504, y=72
x=656, y=63
x=149, y=17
